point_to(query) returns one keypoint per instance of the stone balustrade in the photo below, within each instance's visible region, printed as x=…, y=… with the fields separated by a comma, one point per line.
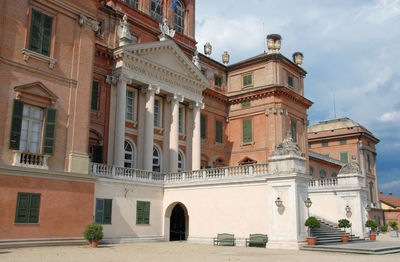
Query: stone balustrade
x=212, y=174
x=32, y=160
x=323, y=183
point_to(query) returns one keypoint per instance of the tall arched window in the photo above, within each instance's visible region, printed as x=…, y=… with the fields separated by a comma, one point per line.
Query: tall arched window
x=156, y=10
x=322, y=174
x=156, y=159
x=181, y=161
x=130, y=154
x=371, y=191
x=179, y=16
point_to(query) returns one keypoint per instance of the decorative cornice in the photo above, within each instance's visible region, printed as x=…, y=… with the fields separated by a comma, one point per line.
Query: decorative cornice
x=276, y=111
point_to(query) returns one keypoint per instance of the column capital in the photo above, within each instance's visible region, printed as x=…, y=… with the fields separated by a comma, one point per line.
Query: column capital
x=175, y=97
x=150, y=88
x=196, y=104
x=119, y=77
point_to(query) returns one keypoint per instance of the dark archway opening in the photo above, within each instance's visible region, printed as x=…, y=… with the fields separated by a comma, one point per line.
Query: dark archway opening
x=177, y=227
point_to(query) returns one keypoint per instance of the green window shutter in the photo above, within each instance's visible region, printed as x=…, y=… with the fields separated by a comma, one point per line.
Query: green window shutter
x=95, y=95
x=99, y=214
x=344, y=157
x=146, y=215
x=294, y=131
x=246, y=104
x=139, y=212
x=34, y=208
x=247, y=80
x=107, y=211
x=16, y=122
x=218, y=131
x=203, y=126
x=40, y=34
x=247, y=131
x=46, y=38
x=22, y=209
x=290, y=81
x=49, y=131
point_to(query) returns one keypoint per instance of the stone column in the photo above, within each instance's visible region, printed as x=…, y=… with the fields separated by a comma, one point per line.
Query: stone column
x=149, y=126
x=119, y=137
x=175, y=99
x=196, y=139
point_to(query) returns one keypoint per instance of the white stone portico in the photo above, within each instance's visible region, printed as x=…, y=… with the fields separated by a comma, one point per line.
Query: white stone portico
x=155, y=68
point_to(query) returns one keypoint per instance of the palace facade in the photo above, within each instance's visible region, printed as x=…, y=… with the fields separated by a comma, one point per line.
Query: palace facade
x=110, y=114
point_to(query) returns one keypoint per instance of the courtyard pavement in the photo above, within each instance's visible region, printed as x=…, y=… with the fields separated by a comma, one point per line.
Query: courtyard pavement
x=183, y=251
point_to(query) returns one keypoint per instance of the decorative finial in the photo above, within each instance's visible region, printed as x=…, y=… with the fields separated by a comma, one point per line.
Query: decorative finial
x=196, y=60
x=225, y=58
x=298, y=58
x=166, y=32
x=273, y=43
x=124, y=33
x=207, y=49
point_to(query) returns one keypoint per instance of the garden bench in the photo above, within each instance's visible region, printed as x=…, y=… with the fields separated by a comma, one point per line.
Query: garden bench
x=257, y=240
x=224, y=238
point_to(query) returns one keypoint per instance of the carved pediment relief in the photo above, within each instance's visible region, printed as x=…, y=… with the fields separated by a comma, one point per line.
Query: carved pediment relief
x=35, y=93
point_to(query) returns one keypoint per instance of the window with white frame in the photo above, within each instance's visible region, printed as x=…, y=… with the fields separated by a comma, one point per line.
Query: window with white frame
x=181, y=119
x=131, y=105
x=181, y=161
x=157, y=112
x=31, y=129
x=156, y=159
x=156, y=10
x=130, y=154
x=179, y=15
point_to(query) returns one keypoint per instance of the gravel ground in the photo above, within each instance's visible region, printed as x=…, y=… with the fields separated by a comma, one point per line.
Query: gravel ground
x=182, y=251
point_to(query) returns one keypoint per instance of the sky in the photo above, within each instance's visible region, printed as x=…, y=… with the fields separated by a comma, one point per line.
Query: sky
x=351, y=52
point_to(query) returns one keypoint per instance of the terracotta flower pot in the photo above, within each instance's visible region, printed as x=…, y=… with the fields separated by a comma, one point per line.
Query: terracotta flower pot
x=345, y=238
x=372, y=237
x=93, y=243
x=311, y=241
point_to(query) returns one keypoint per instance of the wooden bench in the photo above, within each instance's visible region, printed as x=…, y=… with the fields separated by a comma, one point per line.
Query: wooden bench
x=257, y=240
x=225, y=239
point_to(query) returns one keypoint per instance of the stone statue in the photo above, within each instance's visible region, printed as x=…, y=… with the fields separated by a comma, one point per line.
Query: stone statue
x=287, y=147
x=207, y=49
x=124, y=33
x=196, y=60
x=166, y=32
x=350, y=168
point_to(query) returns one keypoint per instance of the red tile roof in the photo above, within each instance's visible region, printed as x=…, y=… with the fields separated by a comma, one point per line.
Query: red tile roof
x=390, y=200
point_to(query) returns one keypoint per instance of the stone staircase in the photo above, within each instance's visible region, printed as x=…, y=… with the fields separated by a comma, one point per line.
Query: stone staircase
x=40, y=242
x=329, y=233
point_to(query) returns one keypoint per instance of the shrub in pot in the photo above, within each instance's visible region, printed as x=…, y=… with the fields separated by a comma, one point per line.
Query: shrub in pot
x=394, y=232
x=372, y=225
x=93, y=233
x=384, y=229
x=311, y=223
x=344, y=223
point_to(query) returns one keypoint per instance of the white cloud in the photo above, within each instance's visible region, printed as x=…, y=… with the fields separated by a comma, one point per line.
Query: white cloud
x=390, y=116
x=392, y=186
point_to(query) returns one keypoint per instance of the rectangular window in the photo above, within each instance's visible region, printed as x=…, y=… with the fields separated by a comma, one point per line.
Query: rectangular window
x=27, y=210
x=103, y=211
x=344, y=157
x=343, y=142
x=218, y=131
x=369, y=162
x=309, y=145
x=203, y=126
x=31, y=129
x=142, y=212
x=156, y=10
x=131, y=105
x=294, y=131
x=246, y=104
x=247, y=80
x=324, y=144
x=40, y=33
x=132, y=3
x=157, y=112
x=290, y=81
x=96, y=154
x=95, y=95
x=181, y=120
x=218, y=81
x=247, y=131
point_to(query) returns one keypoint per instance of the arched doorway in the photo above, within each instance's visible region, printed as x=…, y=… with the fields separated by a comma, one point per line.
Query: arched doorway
x=177, y=226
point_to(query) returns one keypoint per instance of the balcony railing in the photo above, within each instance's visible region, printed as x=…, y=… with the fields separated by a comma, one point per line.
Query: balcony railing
x=26, y=159
x=323, y=183
x=136, y=175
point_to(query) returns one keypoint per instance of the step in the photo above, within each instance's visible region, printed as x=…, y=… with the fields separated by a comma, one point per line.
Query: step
x=39, y=242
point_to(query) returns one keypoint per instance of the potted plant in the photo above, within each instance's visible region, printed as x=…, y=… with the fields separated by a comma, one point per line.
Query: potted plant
x=344, y=223
x=311, y=223
x=372, y=225
x=394, y=232
x=93, y=233
x=384, y=229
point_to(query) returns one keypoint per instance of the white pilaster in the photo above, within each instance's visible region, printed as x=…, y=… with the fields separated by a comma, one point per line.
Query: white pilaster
x=149, y=126
x=196, y=140
x=120, y=120
x=174, y=132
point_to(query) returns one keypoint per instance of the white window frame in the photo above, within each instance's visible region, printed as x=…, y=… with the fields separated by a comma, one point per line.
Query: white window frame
x=182, y=125
x=134, y=154
x=134, y=105
x=30, y=119
x=182, y=162
x=160, y=157
x=180, y=9
x=160, y=112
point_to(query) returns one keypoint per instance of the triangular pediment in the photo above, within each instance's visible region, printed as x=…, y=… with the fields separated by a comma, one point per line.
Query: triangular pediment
x=167, y=55
x=36, y=89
